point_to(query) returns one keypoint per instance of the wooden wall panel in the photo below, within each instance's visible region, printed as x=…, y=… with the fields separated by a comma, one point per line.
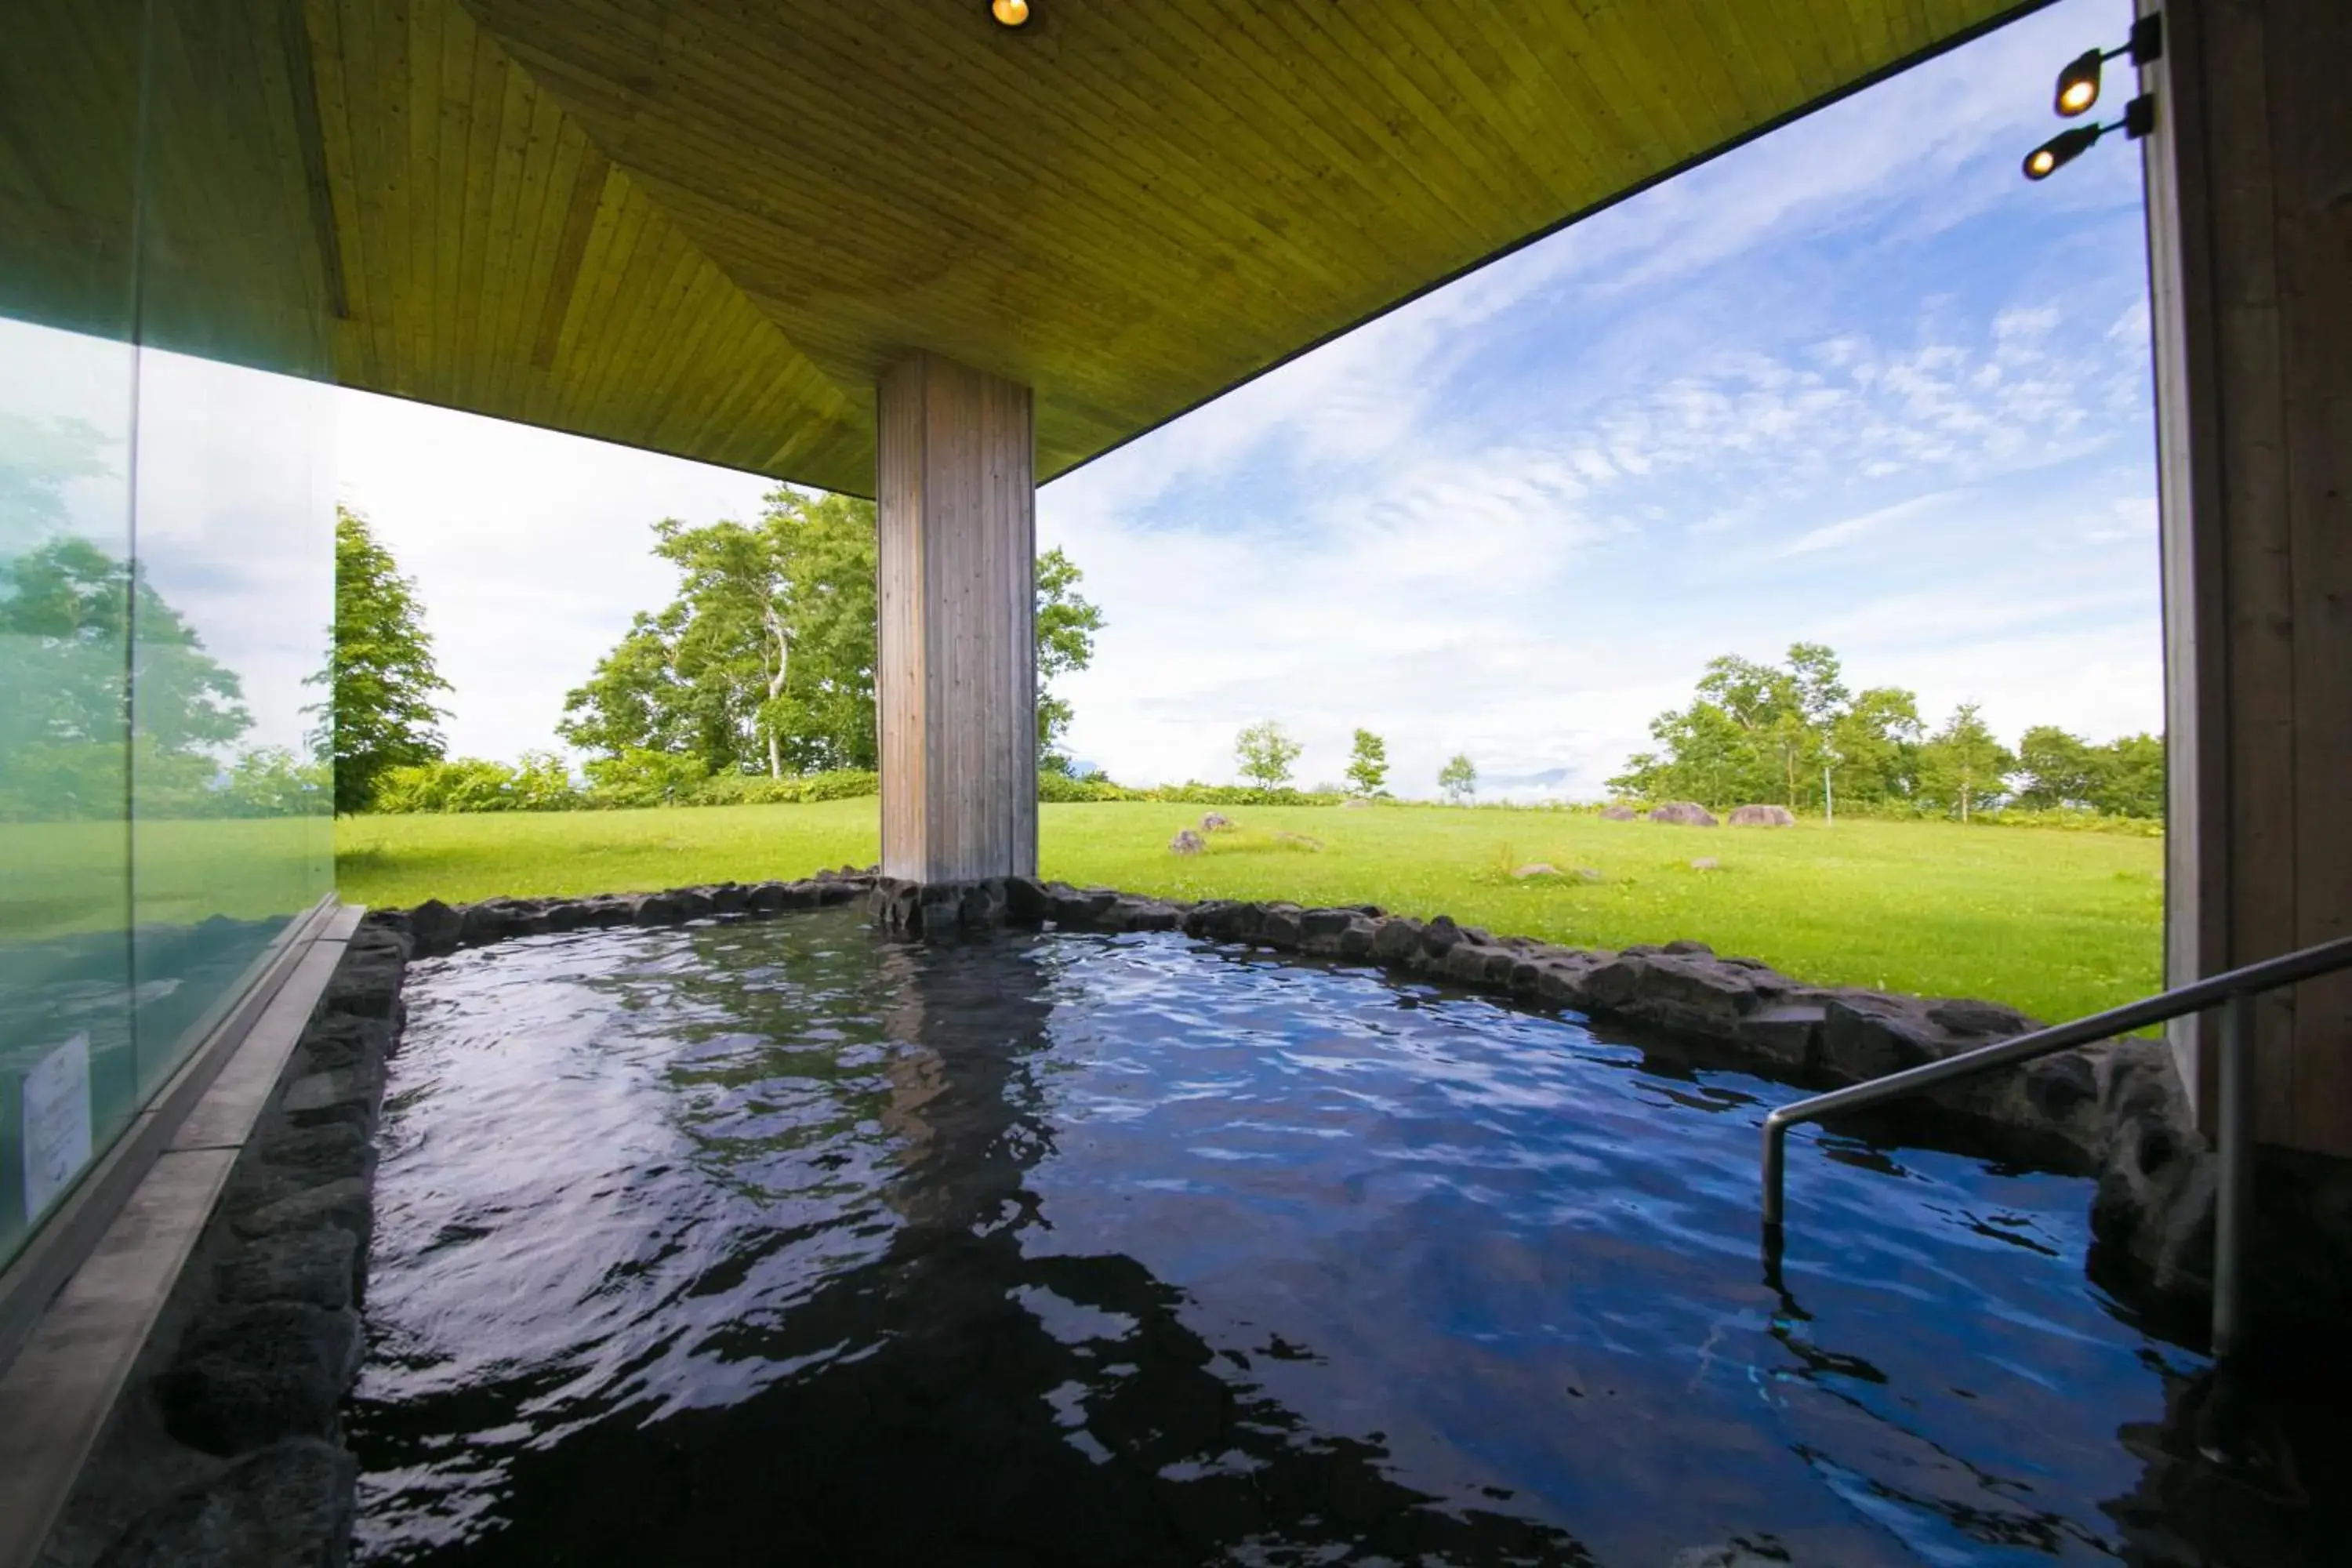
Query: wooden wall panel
x=2251, y=242
x=956, y=686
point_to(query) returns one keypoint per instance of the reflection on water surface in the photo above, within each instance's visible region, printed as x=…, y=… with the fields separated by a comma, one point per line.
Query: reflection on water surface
x=775, y=1243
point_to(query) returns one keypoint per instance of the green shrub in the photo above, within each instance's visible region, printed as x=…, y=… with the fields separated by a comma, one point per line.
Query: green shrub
x=2068, y=820
x=641, y=777
x=1063, y=790
x=540, y=782
x=759, y=789
x=1197, y=794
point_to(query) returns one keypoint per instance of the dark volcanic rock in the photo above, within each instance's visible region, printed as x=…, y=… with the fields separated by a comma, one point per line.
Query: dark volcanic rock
x=434, y=925
x=366, y=984
x=1395, y=937
x=345, y=1094
x=345, y=1040
x=1027, y=900
x=315, y=1268
x=289, y=1505
x=1610, y=984
x=1788, y=1031
x=483, y=922
x=1692, y=992
x=656, y=910
x=1281, y=927
x=251, y=1375
x=342, y=1203
x=317, y=1156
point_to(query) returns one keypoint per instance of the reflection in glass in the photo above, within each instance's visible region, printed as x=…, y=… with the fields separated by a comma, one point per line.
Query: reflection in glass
x=67, y=1082
x=229, y=824
x=166, y=552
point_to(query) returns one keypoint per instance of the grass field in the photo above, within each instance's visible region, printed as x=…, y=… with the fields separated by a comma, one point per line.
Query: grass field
x=2057, y=924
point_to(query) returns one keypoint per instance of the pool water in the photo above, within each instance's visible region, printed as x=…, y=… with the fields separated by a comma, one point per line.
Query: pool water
x=780, y=1243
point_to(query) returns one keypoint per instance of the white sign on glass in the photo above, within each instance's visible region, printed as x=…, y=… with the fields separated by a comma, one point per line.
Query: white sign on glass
x=56, y=1123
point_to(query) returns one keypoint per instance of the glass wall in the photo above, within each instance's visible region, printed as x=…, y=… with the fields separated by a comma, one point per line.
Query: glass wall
x=166, y=552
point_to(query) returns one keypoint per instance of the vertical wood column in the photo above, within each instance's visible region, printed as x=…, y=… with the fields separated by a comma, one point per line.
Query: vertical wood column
x=2249, y=250
x=955, y=497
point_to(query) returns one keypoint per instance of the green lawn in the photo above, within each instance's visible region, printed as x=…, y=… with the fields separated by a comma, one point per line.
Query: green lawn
x=2057, y=924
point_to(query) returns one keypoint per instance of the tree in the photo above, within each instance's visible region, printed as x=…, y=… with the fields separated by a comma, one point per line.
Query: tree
x=1067, y=625
x=762, y=663
x=2128, y=777
x=1368, y=764
x=2054, y=769
x=1458, y=778
x=1962, y=766
x=89, y=654
x=379, y=676
x=765, y=662
x=1876, y=742
x=1756, y=732
x=1265, y=754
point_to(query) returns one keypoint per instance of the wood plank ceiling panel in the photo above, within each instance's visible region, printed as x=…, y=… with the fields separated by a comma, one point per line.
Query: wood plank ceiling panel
x=704, y=227
x=1127, y=207
x=499, y=261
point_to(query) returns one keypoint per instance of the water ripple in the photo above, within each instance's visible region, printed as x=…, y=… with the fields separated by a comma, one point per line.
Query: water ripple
x=777, y=1243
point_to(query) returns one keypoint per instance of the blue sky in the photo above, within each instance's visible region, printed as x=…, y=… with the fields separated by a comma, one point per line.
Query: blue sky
x=1855, y=382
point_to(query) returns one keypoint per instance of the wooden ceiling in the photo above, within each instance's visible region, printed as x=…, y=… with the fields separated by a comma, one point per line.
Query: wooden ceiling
x=704, y=227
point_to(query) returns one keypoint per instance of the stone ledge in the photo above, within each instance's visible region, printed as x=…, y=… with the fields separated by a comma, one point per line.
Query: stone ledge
x=434, y=928
x=227, y=1447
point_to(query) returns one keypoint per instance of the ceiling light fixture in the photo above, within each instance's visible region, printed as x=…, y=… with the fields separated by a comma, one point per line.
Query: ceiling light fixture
x=1012, y=12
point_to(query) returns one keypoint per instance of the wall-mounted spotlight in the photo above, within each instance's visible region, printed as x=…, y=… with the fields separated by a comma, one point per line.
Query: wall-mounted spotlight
x=2139, y=119
x=1012, y=12
x=2078, y=84
x=2078, y=90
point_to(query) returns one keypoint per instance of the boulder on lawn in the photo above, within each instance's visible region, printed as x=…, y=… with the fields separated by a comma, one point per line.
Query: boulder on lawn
x=1536, y=868
x=1762, y=817
x=1618, y=811
x=1706, y=863
x=1213, y=822
x=1186, y=842
x=1682, y=814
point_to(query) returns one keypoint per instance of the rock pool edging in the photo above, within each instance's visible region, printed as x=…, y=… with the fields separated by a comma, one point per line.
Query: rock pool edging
x=238, y=1400
x=254, y=1384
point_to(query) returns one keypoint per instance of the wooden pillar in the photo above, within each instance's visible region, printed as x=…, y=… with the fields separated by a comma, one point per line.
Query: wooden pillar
x=2249, y=250
x=955, y=497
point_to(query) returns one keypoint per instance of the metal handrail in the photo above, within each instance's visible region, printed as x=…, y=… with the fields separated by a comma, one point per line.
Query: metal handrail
x=2235, y=990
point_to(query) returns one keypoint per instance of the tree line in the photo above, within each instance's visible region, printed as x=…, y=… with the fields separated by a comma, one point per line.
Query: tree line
x=1264, y=752
x=1793, y=733
x=761, y=668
